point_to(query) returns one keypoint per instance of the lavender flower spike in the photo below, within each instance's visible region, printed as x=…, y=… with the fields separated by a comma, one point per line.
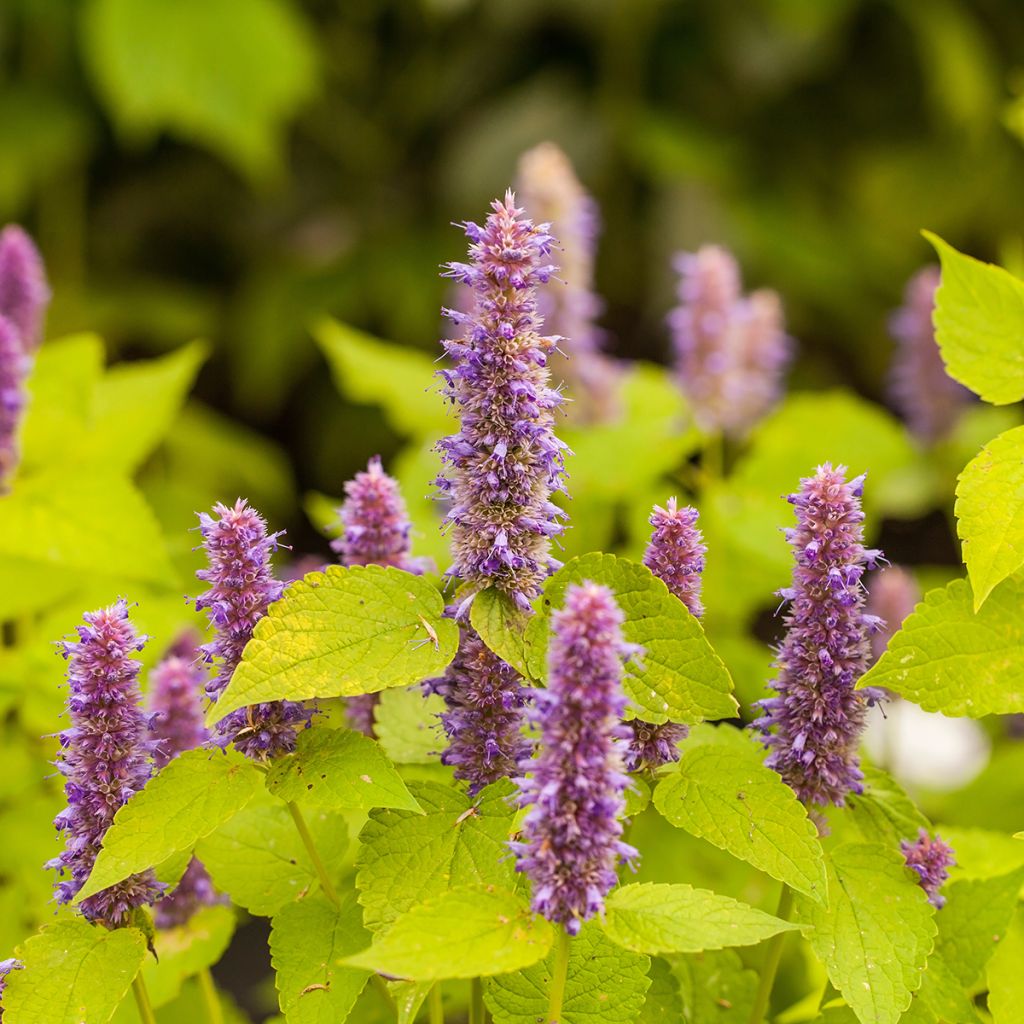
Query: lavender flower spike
x=550, y=191
x=104, y=757
x=926, y=396
x=931, y=859
x=813, y=726
x=572, y=833
x=242, y=588
x=24, y=293
x=14, y=370
x=505, y=461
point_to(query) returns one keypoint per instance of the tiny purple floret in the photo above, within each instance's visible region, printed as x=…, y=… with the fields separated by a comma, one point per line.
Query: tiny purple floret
x=931, y=859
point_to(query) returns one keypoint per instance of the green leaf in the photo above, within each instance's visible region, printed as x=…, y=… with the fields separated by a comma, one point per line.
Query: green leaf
x=715, y=988
x=373, y=372
x=662, y=1004
x=409, y=996
x=990, y=513
x=883, y=813
x=875, y=935
x=472, y=931
x=738, y=805
x=343, y=632
x=679, y=678
x=307, y=941
x=407, y=725
x=604, y=985
x=1005, y=978
x=979, y=323
x=164, y=66
x=185, y=801
x=405, y=857
x=73, y=973
x=940, y=998
x=259, y=860
x=661, y=918
x=501, y=626
x=948, y=658
x=339, y=770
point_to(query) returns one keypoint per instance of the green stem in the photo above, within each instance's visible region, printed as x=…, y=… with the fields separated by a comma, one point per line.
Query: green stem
x=772, y=956
x=211, y=1001
x=142, y=999
x=476, y=1001
x=558, y=977
x=436, y=1005
x=307, y=840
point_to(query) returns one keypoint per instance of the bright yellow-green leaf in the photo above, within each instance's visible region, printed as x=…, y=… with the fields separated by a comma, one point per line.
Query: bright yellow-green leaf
x=1005, y=977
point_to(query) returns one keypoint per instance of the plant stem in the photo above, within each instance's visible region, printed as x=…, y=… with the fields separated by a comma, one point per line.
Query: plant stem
x=436, y=1005
x=211, y=1001
x=476, y=1002
x=142, y=1000
x=772, y=956
x=559, y=974
x=307, y=840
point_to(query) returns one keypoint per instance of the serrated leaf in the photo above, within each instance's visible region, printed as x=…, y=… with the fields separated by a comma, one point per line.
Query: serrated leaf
x=679, y=677
x=662, y=1004
x=407, y=725
x=405, y=858
x=948, y=658
x=662, y=918
x=884, y=813
x=979, y=323
x=73, y=972
x=501, y=626
x=715, y=988
x=738, y=805
x=1005, y=977
x=472, y=931
x=343, y=632
x=339, y=770
x=259, y=860
x=876, y=933
x=196, y=792
x=990, y=513
x=604, y=985
x=307, y=941
x=940, y=998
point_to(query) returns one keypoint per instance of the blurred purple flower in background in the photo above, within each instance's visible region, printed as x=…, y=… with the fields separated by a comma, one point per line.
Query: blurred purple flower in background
x=892, y=594
x=15, y=365
x=24, y=293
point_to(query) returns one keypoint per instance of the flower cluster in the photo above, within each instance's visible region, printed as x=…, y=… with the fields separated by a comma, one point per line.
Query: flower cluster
x=551, y=192
x=242, y=588
x=813, y=726
x=731, y=350
x=926, y=396
x=24, y=293
x=931, y=859
x=571, y=837
x=15, y=364
x=104, y=757
x=892, y=595
x=505, y=461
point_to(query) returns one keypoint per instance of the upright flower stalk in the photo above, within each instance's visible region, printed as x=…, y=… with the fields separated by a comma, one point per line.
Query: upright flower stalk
x=24, y=292
x=505, y=461
x=242, y=588
x=813, y=726
x=572, y=836
x=550, y=191
x=930, y=858
x=104, y=758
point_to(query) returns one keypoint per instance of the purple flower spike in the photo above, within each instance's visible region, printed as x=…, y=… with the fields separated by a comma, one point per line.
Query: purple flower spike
x=651, y=746
x=550, y=191
x=813, y=726
x=931, y=859
x=731, y=351
x=485, y=699
x=242, y=588
x=104, y=757
x=14, y=370
x=676, y=552
x=24, y=293
x=926, y=396
x=505, y=461
x=572, y=834
x=892, y=594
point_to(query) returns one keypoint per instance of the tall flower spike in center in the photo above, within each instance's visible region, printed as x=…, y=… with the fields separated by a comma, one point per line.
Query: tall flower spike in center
x=813, y=727
x=505, y=461
x=572, y=836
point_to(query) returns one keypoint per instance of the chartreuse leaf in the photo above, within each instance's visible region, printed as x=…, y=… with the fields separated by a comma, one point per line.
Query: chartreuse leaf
x=679, y=677
x=714, y=988
x=501, y=626
x=1005, y=977
x=339, y=770
x=259, y=860
x=662, y=918
x=948, y=658
x=941, y=997
x=406, y=857
x=662, y=1004
x=604, y=985
x=73, y=973
x=307, y=941
x=875, y=935
x=990, y=513
x=738, y=805
x=343, y=632
x=409, y=996
x=407, y=725
x=187, y=800
x=472, y=931
x=883, y=813
x=979, y=324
